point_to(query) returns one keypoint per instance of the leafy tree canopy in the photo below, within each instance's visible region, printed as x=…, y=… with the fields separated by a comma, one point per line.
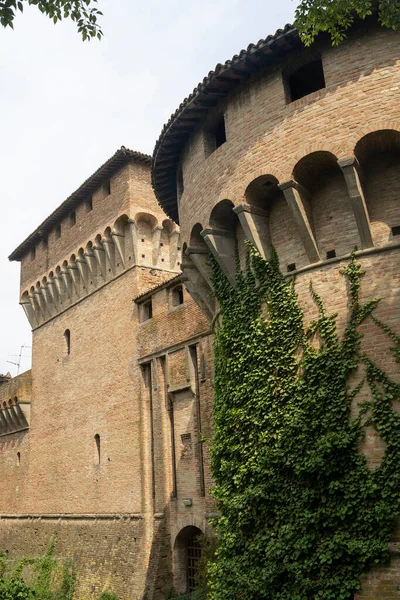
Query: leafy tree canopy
x=336, y=16
x=82, y=12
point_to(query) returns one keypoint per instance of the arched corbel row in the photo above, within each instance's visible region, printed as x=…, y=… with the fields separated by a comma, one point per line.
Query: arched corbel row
x=96, y=264
x=12, y=417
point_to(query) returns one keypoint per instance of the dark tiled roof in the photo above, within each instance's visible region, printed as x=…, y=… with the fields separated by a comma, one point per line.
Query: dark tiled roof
x=216, y=85
x=157, y=288
x=121, y=157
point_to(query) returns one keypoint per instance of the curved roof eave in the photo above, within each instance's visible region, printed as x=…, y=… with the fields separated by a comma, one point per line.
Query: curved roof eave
x=216, y=85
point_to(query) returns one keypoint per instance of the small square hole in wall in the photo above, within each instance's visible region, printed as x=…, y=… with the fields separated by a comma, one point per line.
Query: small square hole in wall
x=331, y=254
x=396, y=230
x=161, y=244
x=291, y=267
x=307, y=79
x=142, y=239
x=143, y=255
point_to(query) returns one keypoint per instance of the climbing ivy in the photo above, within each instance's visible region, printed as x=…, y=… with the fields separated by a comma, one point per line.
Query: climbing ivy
x=48, y=578
x=302, y=515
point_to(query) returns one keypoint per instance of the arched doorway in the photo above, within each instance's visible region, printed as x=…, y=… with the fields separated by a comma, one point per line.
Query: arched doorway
x=187, y=555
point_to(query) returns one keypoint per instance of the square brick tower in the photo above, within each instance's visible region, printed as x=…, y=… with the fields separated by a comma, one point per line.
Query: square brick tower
x=93, y=471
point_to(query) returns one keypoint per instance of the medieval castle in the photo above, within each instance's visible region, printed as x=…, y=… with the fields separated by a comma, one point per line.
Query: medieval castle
x=102, y=443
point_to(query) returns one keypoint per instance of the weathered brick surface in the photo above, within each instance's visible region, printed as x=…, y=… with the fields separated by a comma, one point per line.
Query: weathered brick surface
x=265, y=135
x=357, y=114
x=147, y=388
x=117, y=517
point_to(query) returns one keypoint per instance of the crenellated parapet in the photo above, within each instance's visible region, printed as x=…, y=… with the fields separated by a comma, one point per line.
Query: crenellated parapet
x=138, y=241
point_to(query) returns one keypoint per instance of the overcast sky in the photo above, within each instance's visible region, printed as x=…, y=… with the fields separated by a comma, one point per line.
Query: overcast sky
x=68, y=105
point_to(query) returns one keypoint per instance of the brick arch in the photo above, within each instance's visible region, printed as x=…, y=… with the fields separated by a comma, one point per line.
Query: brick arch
x=309, y=149
x=147, y=217
x=187, y=521
x=120, y=222
x=366, y=129
x=275, y=172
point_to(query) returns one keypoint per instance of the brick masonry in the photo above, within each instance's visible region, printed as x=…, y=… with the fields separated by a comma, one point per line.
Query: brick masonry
x=123, y=506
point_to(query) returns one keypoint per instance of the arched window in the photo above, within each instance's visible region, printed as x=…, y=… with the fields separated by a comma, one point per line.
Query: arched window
x=97, y=449
x=67, y=337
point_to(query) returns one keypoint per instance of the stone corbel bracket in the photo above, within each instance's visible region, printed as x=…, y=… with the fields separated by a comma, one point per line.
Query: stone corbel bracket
x=352, y=175
x=222, y=245
x=198, y=286
x=254, y=222
x=296, y=198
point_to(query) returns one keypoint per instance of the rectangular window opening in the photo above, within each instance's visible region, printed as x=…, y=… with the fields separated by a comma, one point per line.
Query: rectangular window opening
x=33, y=253
x=396, y=230
x=72, y=218
x=146, y=311
x=58, y=231
x=214, y=134
x=89, y=205
x=219, y=133
x=307, y=79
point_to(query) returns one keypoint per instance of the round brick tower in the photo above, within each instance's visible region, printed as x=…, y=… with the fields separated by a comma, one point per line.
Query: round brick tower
x=296, y=148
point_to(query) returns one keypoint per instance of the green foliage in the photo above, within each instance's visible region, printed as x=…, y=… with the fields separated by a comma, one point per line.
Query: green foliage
x=82, y=12
x=15, y=589
x=106, y=595
x=336, y=16
x=49, y=578
x=302, y=515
